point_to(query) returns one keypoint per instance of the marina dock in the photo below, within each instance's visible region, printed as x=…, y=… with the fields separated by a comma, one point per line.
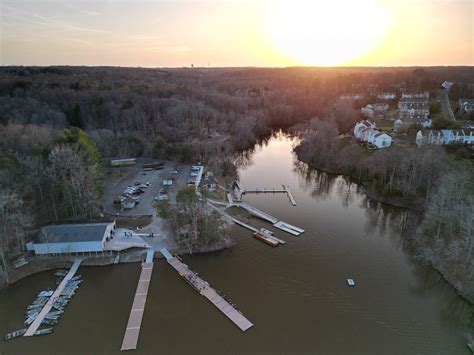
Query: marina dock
x=205, y=290
x=273, y=220
x=242, y=224
x=47, y=307
x=130, y=338
x=290, y=195
x=256, y=212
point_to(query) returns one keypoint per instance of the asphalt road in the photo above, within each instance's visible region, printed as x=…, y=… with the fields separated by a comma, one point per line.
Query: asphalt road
x=443, y=99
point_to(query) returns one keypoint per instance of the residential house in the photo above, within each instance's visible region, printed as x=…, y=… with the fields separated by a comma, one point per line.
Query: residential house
x=360, y=126
x=445, y=136
x=352, y=97
x=386, y=95
x=447, y=85
x=414, y=105
x=466, y=105
x=209, y=181
x=366, y=131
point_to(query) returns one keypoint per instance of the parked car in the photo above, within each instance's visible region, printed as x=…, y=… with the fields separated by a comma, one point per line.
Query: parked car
x=194, y=174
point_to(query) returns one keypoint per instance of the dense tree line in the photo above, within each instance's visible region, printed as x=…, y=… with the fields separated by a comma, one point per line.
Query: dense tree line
x=193, y=226
x=46, y=175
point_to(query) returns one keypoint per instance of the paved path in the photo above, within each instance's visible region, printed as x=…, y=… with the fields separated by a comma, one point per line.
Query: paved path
x=130, y=338
x=47, y=307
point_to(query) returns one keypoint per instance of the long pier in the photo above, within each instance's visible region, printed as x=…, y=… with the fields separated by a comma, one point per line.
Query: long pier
x=47, y=307
x=130, y=338
x=205, y=290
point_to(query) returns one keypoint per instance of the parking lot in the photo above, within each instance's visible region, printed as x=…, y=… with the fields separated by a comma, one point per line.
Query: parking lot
x=134, y=174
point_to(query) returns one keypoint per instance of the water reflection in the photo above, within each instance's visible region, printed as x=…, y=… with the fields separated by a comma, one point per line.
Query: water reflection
x=379, y=220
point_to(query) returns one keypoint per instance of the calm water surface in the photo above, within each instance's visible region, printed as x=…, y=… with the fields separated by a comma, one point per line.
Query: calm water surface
x=295, y=294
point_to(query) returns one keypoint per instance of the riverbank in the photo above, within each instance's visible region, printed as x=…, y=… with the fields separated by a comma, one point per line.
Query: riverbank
x=451, y=273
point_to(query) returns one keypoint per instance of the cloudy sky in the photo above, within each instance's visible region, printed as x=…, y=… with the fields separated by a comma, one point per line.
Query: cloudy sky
x=156, y=33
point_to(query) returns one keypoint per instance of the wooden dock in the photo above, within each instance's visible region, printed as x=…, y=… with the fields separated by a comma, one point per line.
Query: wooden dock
x=284, y=190
x=290, y=195
x=130, y=338
x=207, y=291
x=47, y=307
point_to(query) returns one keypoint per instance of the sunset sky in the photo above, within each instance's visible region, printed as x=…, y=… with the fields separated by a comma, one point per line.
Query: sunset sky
x=178, y=33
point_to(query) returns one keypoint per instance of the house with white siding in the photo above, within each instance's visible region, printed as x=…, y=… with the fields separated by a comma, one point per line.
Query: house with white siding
x=466, y=105
x=366, y=131
x=447, y=85
x=72, y=238
x=445, y=136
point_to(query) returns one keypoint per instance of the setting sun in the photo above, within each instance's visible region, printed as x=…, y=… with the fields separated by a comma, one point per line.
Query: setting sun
x=325, y=33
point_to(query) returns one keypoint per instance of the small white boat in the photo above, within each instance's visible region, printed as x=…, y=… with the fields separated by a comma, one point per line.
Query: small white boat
x=350, y=282
x=266, y=232
x=46, y=293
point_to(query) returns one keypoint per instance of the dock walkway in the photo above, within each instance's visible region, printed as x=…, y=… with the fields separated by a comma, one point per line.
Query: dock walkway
x=130, y=338
x=47, y=307
x=257, y=212
x=205, y=290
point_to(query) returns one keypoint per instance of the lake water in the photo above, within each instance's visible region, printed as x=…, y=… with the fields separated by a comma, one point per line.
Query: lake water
x=295, y=294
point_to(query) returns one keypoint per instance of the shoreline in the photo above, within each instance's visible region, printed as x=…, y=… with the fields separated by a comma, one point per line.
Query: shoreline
x=37, y=265
x=374, y=195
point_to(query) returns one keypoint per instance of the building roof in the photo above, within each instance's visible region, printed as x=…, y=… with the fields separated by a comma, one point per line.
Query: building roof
x=469, y=101
x=65, y=233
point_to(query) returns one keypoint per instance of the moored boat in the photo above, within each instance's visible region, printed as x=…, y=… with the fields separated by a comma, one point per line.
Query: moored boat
x=15, y=334
x=266, y=232
x=51, y=322
x=61, y=272
x=266, y=239
x=43, y=331
x=46, y=293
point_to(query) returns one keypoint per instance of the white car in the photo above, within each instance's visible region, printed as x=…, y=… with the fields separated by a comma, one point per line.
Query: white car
x=194, y=174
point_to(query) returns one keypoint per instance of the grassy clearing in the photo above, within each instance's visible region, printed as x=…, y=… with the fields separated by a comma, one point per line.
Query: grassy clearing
x=385, y=125
x=125, y=222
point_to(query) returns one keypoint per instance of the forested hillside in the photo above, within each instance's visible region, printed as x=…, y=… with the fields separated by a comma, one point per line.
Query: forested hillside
x=57, y=124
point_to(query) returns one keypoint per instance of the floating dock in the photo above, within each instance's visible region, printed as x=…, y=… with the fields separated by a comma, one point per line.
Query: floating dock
x=130, y=338
x=47, y=307
x=284, y=190
x=256, y=212
x=290, y=195
x=274, y=221
x=288, y=228
x=205, y=290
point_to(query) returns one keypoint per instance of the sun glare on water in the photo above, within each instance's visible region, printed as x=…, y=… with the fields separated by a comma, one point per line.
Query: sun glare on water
x=326, y=33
